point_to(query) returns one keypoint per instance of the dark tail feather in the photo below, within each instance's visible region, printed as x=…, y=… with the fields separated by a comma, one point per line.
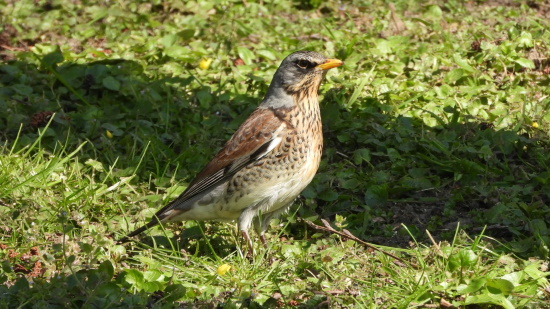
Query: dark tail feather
x=126, y=238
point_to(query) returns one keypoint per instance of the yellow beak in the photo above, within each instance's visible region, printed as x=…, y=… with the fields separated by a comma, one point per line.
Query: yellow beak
x=330, y=63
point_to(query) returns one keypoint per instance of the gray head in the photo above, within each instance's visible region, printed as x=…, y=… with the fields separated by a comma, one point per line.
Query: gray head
x=299, y=74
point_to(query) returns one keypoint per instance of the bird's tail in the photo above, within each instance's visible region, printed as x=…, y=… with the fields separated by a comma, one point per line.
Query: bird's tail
x=126, y=238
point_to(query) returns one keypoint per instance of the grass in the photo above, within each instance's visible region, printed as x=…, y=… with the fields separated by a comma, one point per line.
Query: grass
x=436, y=149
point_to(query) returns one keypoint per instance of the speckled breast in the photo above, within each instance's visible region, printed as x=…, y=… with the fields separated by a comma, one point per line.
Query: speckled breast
x=288, y=169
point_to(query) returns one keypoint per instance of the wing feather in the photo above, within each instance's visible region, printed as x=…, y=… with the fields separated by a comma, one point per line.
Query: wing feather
x=256, y=137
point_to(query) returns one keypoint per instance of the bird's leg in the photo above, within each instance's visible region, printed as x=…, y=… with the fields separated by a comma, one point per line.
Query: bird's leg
x=248, y=242
x=264, y=242
x=262, y=239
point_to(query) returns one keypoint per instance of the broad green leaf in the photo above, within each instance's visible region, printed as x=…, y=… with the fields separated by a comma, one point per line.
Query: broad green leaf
x=473, y=286
x=267, y=54
x=246, y=55
x=526, y=63
x=107, y=270
x=168, y=40
x=22, y=89
x=113, y=129
x=153, y=275
x=383, y=46
x=180, y=53
x=187, y=34
x=350, y=183
x=500, y=286
x=463, y=64
x=361, y=155
x=53, y=58
x=532, y=269
x=454, y=75
x=538, y=227
x=175, y=292
x=205, y=98
x=134, y=277
x=328, y=195
x=151, y=286
x=499, y=300
x=515, y=277
x=111, y=83
x=525, y=40
x=463, y=259
x=376, y=195
x=109, y=288
x=434, y=12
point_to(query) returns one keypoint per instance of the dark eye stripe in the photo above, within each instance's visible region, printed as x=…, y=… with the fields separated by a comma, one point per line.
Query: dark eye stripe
x=304, y=64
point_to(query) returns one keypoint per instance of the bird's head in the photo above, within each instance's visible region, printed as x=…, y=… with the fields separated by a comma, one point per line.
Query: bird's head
x=299, y=75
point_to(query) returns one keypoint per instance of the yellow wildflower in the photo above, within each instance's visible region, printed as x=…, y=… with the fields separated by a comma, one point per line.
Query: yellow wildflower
x=204, y=64
x=222, y=269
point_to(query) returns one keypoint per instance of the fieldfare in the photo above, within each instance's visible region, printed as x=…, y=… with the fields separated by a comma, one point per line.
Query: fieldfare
x=269, y=160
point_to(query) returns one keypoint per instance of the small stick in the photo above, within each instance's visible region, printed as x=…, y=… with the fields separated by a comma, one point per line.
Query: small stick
x=347, y=234
x=436, y=245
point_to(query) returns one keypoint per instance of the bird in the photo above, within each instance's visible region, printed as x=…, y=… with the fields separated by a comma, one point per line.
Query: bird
x=269, y=160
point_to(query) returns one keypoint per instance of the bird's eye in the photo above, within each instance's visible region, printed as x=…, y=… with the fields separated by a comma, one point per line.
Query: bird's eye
x=304, y=64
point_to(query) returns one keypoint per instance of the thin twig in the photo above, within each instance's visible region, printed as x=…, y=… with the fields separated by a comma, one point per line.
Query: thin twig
x=12, y=48
x=436, y=245
x=345, y=233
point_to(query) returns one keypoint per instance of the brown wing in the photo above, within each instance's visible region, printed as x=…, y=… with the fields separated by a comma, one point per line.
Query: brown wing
x=256, y=137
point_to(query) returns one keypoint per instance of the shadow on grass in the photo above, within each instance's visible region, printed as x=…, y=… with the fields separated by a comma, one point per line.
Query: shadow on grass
x=383, y=170
x=118, y=110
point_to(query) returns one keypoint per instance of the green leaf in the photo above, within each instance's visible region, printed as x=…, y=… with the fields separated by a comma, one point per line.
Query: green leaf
x=463, y=64
x=153, y=275
x=350, y=183
x=114, y=129
x=498, y=299
x=267, y=54
x=500, y=286
x=175, y=292
x=361, y=155
x=187, y=34
x=471, y=287
x=328, y=195
x=106, y=289
x=71, y=259
x=376, y=195
x=515, y=277
x=106, y=269
x=454, y=75
x=526, y=63
x=383, y=46
x=22, y=89
x=179, y=53
x=111, y=83
x=525, y=39
x=168, y=40
x=434, y=12
x=53, y=58
x=205, y=97
x=134, y=277
x=464, y=259
x=151, y=286
x=246, y=55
